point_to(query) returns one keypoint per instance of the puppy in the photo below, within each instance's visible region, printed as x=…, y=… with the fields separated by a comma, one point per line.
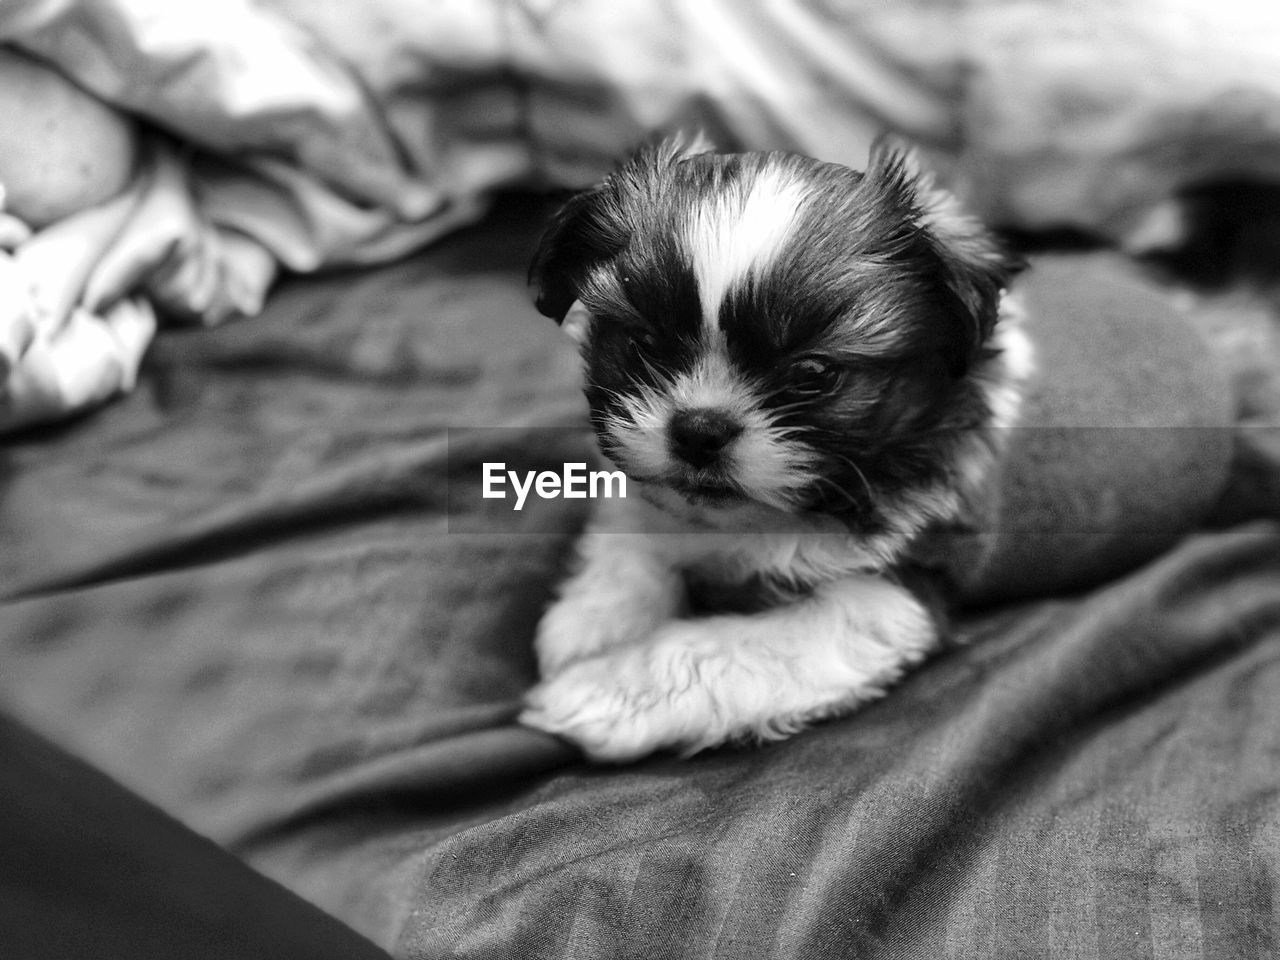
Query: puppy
x=801, y=369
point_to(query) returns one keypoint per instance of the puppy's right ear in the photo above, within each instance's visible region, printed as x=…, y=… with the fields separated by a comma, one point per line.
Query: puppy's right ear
x=587, y=230
x=596, y=225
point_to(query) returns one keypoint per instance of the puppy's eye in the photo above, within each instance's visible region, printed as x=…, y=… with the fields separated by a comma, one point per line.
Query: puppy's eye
x=812, y=376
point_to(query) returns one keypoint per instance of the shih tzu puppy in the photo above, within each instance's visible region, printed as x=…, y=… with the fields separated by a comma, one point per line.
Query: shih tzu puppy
x=801, y=369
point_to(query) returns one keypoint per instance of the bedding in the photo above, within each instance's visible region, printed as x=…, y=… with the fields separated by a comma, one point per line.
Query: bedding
x=252, y=593
x=320, y=133
x=247, y=593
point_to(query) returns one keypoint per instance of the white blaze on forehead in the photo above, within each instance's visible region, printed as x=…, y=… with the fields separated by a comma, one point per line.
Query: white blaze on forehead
x=738, y=232
x=712, y=382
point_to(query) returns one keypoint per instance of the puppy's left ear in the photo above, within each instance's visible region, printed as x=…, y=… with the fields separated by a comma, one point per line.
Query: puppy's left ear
x=974, y=267
x=583, y=232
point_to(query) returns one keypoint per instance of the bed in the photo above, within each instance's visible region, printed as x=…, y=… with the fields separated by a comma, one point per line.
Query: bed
x=252, y=594
x=243, y=592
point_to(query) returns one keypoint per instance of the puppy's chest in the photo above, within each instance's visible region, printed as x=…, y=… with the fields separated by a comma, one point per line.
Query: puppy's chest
x=748, y=574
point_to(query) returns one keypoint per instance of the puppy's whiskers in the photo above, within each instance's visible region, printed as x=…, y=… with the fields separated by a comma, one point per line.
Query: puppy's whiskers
x=840, y=492
x=858, y=472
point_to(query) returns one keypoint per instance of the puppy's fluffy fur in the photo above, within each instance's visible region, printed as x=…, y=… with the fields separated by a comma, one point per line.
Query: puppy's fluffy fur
x=802, y=368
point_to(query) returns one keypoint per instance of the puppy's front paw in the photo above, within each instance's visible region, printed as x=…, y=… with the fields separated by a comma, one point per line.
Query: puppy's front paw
x=615, y=707
x=582, y=625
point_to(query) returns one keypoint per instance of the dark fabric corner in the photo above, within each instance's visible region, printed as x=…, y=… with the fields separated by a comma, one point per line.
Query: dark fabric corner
x=88, y=870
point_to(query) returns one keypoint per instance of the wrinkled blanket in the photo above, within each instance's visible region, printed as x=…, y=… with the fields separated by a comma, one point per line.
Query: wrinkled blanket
x=241, y=591
x=321, y=133
x=354, y=128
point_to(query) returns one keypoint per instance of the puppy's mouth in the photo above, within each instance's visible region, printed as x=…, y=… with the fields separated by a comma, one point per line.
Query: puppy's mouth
x=703, y=487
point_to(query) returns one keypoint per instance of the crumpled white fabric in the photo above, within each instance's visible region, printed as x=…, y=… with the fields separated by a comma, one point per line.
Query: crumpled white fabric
x=1095, y=114
x=370, y=128
x=323, y=132
x=56, y=356
x=1086, y=114
x=78, y=298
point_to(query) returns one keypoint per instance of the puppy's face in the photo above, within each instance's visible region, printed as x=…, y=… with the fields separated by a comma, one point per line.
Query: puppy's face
x=769, y=329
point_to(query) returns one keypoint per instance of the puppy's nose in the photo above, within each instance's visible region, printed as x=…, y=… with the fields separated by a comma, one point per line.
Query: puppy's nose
x=699, y=436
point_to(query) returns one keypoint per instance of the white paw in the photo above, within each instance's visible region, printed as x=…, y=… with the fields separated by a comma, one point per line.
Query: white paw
x=578, y=627
x=616, y=707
